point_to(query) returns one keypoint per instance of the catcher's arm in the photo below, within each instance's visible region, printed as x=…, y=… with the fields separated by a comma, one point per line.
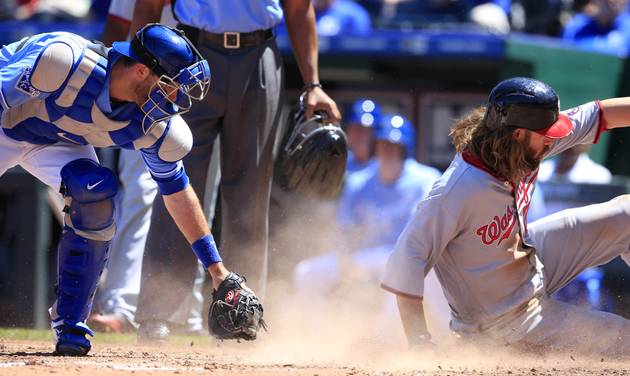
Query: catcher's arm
x=414, y=322
x=186, y=211
x=235, y=311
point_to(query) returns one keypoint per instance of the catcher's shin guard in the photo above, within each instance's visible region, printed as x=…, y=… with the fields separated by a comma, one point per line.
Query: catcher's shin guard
x=89, y=226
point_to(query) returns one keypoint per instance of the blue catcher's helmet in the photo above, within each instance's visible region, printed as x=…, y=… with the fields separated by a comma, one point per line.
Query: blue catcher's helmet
x=363, y=112
x=396, y=129
x=523, y=102
x=175, y=60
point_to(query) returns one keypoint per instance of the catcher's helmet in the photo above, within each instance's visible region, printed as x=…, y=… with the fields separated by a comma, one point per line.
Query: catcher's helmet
x=527, y=103
x=363, y=112
x=175, y=60
x=396, y=129
x=313, y=155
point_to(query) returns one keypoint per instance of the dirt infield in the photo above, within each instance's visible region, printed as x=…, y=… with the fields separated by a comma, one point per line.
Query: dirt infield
x=303, y=339
x=28, y=357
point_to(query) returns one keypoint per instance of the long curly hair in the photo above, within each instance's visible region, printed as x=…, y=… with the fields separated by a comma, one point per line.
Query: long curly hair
x=494, y=145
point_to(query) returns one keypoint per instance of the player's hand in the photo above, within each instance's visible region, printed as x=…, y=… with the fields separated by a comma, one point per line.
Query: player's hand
x=317, y=99
x=218, y=272
x=422, y=344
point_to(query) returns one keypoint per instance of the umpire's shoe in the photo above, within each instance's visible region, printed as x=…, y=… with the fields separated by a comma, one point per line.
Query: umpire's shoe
x=153, y=332
x=71, y=338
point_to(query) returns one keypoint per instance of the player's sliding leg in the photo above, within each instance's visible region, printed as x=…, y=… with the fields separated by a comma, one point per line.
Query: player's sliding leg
x=88, y=190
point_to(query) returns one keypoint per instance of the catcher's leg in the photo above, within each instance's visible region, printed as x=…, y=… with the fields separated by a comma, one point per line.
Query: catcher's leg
x=88, y=190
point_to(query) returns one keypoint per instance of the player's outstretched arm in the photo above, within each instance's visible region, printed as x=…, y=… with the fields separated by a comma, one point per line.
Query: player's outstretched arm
x=186, y=211
x=414, y=322
x=616, y=112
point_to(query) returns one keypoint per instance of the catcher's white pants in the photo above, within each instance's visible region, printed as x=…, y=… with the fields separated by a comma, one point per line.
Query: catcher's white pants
x=42, y=161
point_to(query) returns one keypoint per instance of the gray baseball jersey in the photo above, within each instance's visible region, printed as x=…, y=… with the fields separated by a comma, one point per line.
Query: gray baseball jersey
x=472, y=229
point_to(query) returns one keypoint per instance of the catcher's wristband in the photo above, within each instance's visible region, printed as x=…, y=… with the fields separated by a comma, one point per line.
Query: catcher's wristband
x=206, y=250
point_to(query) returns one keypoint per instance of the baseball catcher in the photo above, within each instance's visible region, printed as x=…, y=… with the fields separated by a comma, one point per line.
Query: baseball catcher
x=235, y=312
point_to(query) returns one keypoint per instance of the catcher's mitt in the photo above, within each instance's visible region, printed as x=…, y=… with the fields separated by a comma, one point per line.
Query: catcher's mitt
x=235, y=312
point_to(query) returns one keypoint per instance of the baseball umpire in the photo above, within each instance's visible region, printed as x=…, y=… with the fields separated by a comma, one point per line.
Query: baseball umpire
x=498, y=272
x=61, y=96
x=242, y=110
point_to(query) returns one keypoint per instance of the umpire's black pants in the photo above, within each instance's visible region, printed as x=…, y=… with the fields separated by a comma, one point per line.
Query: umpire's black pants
x=242, y=108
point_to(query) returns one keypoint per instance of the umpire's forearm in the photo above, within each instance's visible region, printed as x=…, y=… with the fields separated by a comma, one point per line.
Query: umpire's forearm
x=300, y=21
x=144, y=12
x=412, y=316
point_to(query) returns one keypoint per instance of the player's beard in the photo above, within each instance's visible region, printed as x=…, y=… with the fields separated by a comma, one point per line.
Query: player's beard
x=141, y=91
x=532, y=158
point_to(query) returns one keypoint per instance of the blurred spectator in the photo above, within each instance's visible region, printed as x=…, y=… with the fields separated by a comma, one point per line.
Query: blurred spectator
x=99, y=10
x=7, y=10
x=574, y=166
x=602, y=25
x=53, y=10
x=377, y=202
x=374, y=207
x=409, y=14
x=360, y=120
x=538, y=16
x=336, y=17
x=490, y=15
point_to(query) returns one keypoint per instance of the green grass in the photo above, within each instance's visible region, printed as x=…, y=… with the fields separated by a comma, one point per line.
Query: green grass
x=111, y=338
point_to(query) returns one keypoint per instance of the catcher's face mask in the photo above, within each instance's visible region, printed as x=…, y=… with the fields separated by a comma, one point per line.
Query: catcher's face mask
x=171, y=96
x=184, y=75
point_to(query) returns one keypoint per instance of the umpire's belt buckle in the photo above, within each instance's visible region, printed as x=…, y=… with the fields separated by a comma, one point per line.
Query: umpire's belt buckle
x=232, y=39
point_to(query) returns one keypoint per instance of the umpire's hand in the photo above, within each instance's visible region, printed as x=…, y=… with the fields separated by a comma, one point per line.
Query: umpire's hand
x=317, y=99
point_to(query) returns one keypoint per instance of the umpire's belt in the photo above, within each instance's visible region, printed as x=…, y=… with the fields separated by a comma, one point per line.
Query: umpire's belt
x=228, y=40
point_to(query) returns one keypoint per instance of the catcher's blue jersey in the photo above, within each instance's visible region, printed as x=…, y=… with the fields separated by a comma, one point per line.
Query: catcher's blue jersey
x=54, y=87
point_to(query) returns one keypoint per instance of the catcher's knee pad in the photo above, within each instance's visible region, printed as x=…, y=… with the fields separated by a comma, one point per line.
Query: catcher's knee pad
x=89, y=191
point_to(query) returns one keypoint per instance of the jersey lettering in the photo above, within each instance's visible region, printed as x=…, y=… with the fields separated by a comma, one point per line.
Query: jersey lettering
x=499, y=229
x=523, y=197
x=24, y=83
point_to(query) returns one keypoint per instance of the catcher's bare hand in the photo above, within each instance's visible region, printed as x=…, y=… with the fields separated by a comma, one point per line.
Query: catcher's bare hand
x=317, y=99
x=235, y=312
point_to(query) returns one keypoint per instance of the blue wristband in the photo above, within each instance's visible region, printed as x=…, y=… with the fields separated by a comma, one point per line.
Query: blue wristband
x=206, y=250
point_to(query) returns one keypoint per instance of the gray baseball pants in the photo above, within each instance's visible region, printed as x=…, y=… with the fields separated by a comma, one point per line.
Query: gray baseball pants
x=567, y=243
